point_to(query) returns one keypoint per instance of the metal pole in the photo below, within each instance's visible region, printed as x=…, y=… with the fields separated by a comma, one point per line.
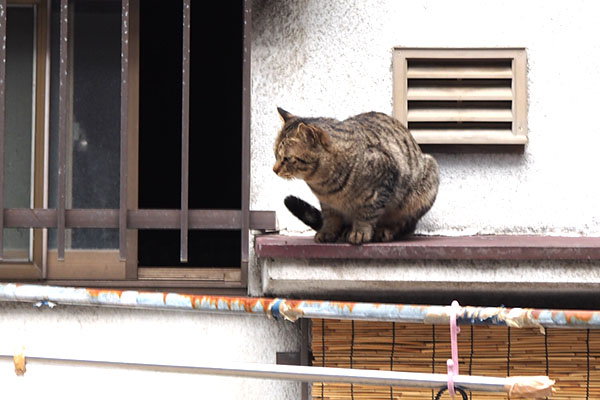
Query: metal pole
x=185, y=132
x=124, y=129
x=246, y=143
x=292, y=310
x=296, y=373
x=62, y=126
x=2, y=116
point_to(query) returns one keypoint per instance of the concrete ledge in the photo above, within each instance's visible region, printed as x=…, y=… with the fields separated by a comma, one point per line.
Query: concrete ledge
x=493, y=247
x=480, y=282
x=483, y=270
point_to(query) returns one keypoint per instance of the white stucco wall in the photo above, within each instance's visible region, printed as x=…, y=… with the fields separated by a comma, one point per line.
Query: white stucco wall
x=334, y=59
x=139, y=335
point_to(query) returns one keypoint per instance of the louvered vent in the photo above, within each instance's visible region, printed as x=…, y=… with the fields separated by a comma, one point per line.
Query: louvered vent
x=461, y=96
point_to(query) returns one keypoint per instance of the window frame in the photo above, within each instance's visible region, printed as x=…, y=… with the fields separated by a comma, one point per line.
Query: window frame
x=32, y=269
x=119, y=267
x=518, y=56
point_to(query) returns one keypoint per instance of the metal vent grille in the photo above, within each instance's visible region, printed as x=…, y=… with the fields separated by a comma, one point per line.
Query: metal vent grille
x=461, y=96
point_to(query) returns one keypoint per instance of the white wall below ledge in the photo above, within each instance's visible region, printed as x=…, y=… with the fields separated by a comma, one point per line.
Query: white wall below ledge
x=382, y=280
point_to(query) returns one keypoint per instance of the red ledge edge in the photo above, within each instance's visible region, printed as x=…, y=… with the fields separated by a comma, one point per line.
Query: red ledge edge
x=492, y=247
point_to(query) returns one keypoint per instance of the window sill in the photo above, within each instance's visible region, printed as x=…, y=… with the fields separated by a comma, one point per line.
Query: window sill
x=488, y=247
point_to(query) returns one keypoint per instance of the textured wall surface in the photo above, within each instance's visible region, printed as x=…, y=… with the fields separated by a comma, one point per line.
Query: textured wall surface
x=144, y=336
x=317, y=58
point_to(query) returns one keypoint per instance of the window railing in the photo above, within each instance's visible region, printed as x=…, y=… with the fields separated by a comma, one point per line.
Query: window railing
x=128, y=218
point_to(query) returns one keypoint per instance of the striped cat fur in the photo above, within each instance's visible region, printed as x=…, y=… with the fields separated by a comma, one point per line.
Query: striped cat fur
x=370, y=176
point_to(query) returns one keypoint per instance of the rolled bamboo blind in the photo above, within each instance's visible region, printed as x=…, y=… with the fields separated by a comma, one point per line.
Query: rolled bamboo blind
x=570, y=356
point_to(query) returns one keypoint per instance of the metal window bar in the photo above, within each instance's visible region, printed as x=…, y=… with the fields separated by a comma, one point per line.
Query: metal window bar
x=124, y=128
x=246, y=138
x=136, y=219
x=62, y=123
x=2, y=116
x=185, y=132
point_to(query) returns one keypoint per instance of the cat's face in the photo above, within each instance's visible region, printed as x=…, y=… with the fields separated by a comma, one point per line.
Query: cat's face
x=297, y=148
x=292, y=160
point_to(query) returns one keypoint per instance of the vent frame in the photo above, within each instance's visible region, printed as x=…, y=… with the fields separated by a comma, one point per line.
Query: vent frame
x=484, y=91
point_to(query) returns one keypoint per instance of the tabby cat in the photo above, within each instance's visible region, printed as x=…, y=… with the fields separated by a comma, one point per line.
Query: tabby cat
x=369, y=174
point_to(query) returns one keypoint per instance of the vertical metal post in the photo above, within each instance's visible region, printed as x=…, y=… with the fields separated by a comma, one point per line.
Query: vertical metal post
x=305, y=326
x=2, y=116
x=185, y=131
x=124, y=128
x=247, y=83
x=46, y=143
x=62, y=126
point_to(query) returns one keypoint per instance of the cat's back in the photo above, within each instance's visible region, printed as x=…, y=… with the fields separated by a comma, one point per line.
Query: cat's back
x=380, y=130
x=376, y=125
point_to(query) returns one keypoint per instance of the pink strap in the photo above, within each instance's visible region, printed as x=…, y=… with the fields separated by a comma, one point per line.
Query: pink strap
x=453, y=363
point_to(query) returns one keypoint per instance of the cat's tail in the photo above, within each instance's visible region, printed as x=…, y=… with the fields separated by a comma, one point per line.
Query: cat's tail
x=304, y=212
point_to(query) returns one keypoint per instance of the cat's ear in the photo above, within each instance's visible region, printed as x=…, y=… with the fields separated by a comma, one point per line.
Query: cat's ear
x=314, y=135
x=286, y=116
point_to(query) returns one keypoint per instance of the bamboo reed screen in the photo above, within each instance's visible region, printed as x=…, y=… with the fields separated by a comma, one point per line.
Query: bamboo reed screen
x=569, y=356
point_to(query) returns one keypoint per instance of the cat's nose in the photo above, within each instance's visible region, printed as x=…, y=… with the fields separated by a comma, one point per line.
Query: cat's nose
x=277, y=167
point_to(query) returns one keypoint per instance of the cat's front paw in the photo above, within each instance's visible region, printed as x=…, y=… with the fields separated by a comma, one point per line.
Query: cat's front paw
x=326, y=237
x=384, y=234
x=359, y=237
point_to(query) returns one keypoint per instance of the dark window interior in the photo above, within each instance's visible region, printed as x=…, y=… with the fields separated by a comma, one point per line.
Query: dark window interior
x=215, y=125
